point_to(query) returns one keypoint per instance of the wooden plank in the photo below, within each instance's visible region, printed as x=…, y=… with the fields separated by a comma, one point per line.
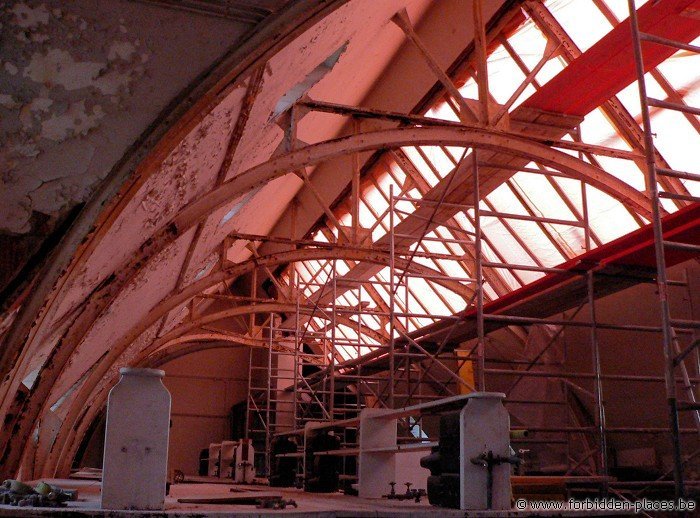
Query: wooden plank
x=247, y=498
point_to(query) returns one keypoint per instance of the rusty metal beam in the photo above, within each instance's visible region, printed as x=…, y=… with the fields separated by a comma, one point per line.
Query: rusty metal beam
x=189, y=216
x=401, y=19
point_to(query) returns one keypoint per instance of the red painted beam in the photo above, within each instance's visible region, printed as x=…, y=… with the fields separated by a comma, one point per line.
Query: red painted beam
x=608, y=66
x=631, y=255
x=635, y=249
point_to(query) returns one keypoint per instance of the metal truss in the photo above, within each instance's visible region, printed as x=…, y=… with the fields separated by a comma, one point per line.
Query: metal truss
x=307, y=323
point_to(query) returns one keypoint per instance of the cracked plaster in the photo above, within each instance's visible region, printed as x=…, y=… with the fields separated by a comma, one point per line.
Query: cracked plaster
x=79, y=82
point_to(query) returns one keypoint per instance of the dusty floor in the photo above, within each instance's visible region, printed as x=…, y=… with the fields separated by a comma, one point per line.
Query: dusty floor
x=309, y=505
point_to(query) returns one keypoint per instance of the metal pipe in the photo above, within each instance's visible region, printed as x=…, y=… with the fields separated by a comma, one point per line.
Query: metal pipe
x=527, y=268
x=478, y=273
x=592, y=430
x=523, y=217
x=585, y=375
x=664, y=41
x=423, y=201
x=598, y=385
x=528, y=320
x=392, y=295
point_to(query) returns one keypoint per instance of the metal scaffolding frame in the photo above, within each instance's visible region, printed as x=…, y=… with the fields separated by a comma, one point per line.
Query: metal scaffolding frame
x=407, y=365
x=404, y=380
x=403, y=363
x=674, y=357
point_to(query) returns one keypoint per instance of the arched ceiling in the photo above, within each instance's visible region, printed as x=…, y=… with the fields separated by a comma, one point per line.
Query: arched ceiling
x=254, y=149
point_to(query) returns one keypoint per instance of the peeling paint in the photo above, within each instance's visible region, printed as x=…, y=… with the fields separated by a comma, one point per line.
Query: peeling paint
x=29, y=17
x=62, y=75
x=7, y=101
x=75, y=121
x=11, y=69
x=57, y=67
x=121, y=50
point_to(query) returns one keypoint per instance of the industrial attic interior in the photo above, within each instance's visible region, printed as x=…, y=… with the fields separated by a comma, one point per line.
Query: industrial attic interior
x=349, y=257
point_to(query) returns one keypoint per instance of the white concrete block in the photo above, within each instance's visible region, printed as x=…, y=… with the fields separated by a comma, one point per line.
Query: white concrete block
x=136, y=442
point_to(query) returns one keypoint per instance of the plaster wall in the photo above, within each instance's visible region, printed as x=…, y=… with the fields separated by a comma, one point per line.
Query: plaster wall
x=79, y=82
x=446, y=29
x=637, y=404
x=204, y=386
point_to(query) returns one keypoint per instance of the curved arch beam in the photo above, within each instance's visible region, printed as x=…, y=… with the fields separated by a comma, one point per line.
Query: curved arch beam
x=231, y=340
x=140, y=161
x=483, y=138
x=170, y=352
x=448, y=135
x=177, y=350
x=82, y=395
x=274, y=307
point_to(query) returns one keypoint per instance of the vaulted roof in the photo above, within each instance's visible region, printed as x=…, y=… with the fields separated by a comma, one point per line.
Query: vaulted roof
x=280, y=163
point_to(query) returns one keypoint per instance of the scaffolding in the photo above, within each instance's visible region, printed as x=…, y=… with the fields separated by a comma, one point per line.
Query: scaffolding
x=399, y=353
x=674, y=356
x=400, y=371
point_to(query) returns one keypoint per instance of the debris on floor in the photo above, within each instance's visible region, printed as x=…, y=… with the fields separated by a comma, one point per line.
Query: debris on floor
x=275, y=503
x=14, y=492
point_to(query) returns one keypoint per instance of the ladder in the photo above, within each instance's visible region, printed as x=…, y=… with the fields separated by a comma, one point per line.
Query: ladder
x=674, y=355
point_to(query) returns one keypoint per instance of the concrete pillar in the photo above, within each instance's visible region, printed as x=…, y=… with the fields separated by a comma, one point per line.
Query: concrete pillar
x=136, y=441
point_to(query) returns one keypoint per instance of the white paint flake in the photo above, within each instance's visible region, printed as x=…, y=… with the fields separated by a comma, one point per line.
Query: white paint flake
x=57, y=67
x=75, y=121
x=28, y=17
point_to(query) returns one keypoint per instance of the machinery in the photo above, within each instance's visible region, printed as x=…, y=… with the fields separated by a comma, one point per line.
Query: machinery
x=322, y=471
x=232, y=459
x=283, y=470
x=443, y=463
x=470, y=467
x=243, y=470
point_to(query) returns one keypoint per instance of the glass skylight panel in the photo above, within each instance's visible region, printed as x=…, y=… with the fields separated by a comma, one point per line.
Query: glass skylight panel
x=575, y=237
x=454, y=233
x=625, y=170
x=453, y=268
x=374, y=198
x=682, y=70
x=302, y=272
x=366, y=217
x=528, y=194
x=341, y=267
x=424, y=169
x=527, y=93
x=610, y=219
x=533, y=236
x=442, y=111
x=455, y=153
x=370, y=321
x=620, y=9
x=597, y=129
x=570, y=186
x=529, y=43
x=438, y=159
x=345, y=219
x=504, y=75
x=676, y=139
x=503, y=199
x=469, y=90
x=582, y=21
x=550, y=69
x=541, y=195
